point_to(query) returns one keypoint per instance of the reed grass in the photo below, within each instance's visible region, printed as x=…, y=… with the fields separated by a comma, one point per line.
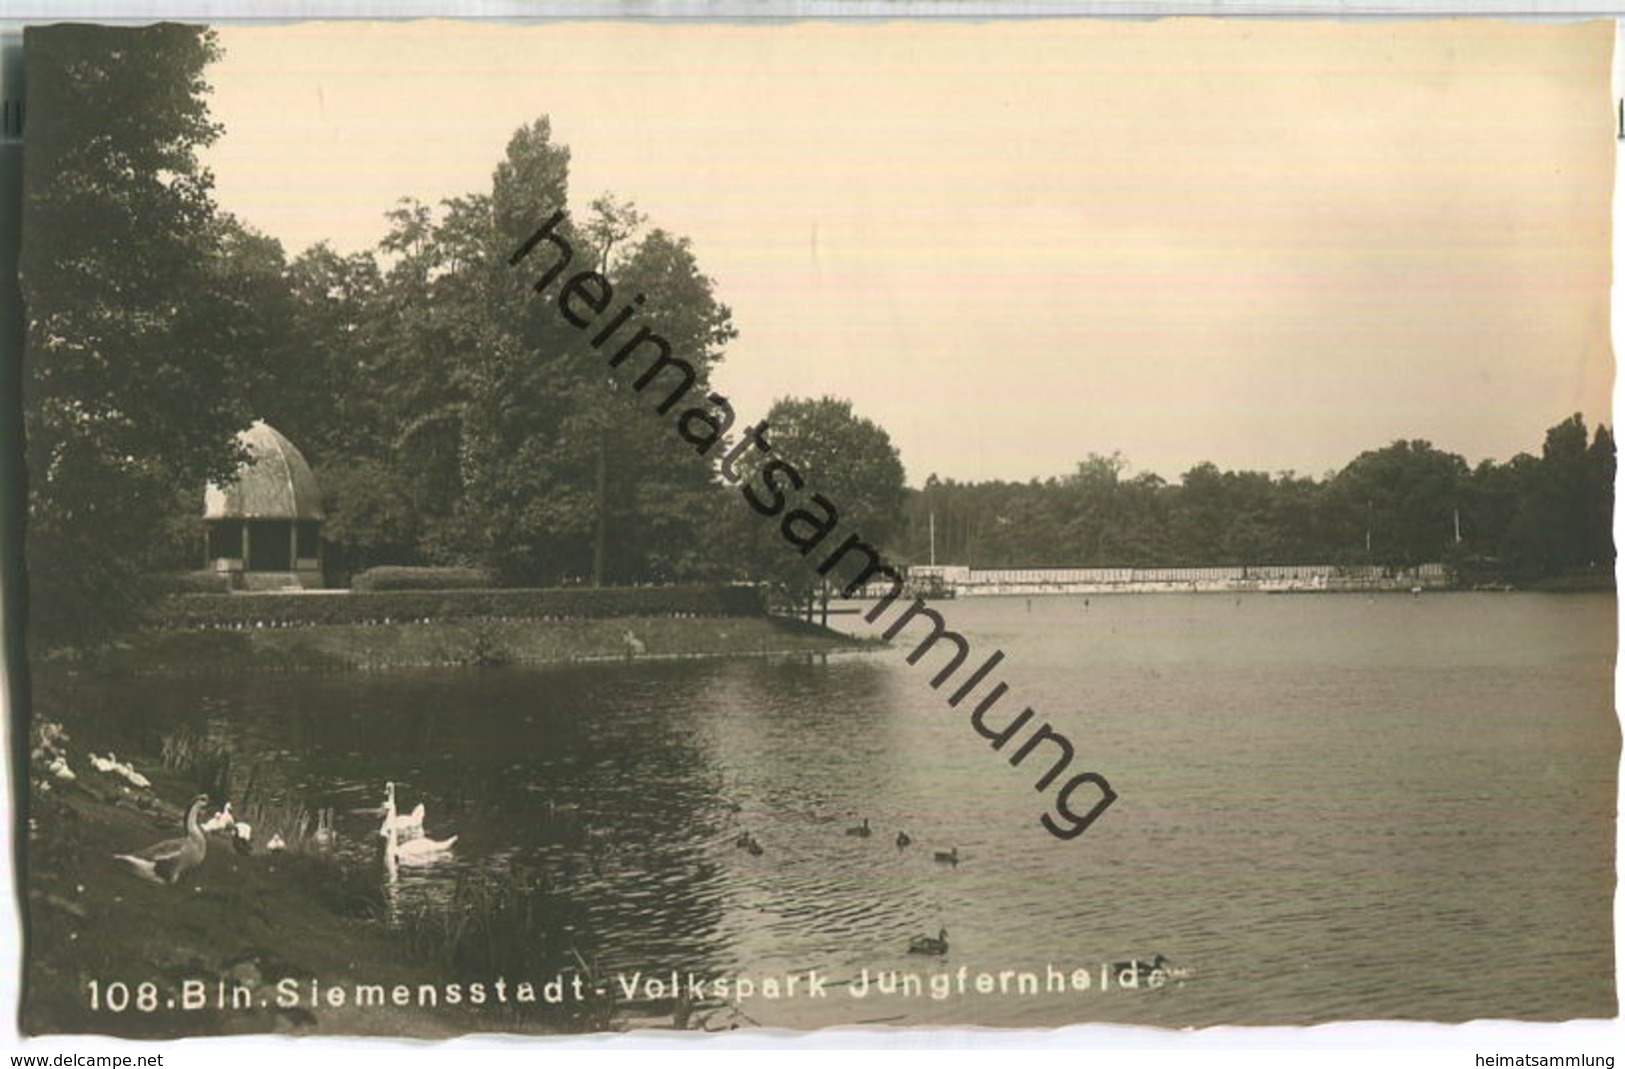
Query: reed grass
x=206, y=762
x=508, y=925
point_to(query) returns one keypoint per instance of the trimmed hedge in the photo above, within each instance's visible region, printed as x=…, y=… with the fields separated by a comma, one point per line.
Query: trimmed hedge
x=401, y=578
x=404, y=607
x=200, y=582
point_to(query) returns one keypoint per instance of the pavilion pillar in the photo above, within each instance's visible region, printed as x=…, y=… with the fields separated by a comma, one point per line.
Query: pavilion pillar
x=293, y=545
x=245, y=545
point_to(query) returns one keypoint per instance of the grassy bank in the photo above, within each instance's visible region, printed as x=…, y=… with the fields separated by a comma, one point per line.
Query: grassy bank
x=460, y=642
x=110, y=953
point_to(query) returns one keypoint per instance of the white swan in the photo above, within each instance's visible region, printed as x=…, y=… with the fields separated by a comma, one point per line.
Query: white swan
x=414, y=848
x=418, y=851
x=324, y=835
x=404, y=828
x=411, y=825
x=221, y=820
x=103, y=764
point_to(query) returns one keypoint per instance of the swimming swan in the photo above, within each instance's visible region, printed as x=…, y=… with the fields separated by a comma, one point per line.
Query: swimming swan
x=417, y=850
x=411, y=824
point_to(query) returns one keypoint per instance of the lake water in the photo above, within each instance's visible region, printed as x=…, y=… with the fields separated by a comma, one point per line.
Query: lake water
x=1331, y=807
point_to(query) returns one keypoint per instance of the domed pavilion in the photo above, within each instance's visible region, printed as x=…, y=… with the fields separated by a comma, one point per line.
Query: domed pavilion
x=264, y=529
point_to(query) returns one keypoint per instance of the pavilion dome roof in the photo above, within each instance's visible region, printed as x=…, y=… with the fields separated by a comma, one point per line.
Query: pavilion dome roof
x=276, y=483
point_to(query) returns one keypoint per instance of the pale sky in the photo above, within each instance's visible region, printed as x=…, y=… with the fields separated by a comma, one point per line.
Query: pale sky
x=1268, y=244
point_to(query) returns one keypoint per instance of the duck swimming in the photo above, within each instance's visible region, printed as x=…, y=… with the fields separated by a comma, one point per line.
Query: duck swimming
x=167, y=861
x=903, y=840
x=947, y=857
x=924, y=944
x=861, y=831
x=1140, y=970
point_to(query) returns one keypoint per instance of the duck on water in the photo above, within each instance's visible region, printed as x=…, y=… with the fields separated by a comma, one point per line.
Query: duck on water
x=924, y=944
x=1152, y=972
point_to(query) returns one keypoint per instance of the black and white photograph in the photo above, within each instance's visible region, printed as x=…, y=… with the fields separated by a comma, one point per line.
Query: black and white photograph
x=583, y=527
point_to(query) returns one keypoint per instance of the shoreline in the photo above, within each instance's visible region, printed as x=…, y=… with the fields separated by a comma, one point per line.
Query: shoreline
x=455, y=643
x=111, y=954
x=1561, y=585
x=218, y=953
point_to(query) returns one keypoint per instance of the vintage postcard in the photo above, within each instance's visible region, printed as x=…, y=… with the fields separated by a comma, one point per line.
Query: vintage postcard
x=599, y=527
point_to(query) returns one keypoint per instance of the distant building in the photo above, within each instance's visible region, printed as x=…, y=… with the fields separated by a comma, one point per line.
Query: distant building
x=265, y=529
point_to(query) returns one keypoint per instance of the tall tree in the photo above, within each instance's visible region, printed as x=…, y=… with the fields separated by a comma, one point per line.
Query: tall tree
x=848, y=459
x=137, y=373
x=663, y=490
x=1566, y=497
x=1597, y=546
x=522, y=448
x=1401, y=501
x=1554, y=513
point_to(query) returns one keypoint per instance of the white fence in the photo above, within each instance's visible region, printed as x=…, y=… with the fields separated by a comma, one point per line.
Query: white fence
x=960, y=581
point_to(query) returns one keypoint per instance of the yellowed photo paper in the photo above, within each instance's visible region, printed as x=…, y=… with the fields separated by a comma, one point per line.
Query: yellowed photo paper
x=598, y=527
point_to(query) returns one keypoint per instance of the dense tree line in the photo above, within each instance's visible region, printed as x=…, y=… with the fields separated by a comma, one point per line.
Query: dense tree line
x=1403, y=505
x=454, y=418
x=144, y=331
